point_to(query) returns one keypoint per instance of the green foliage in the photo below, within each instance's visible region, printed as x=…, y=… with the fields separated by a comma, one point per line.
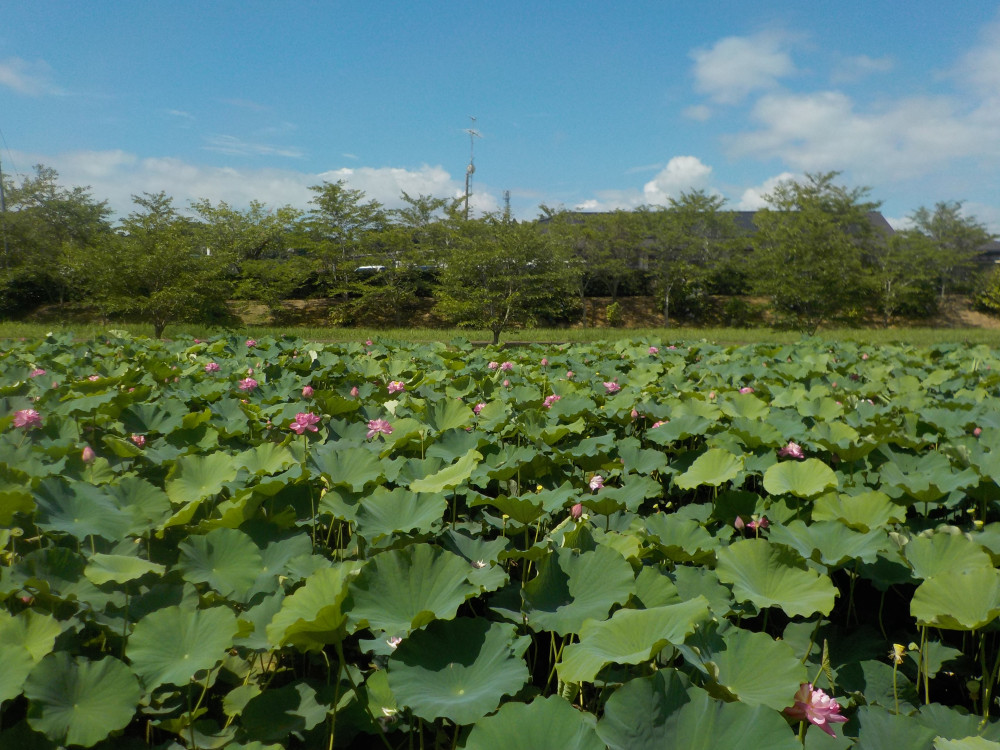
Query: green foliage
x=956, y=240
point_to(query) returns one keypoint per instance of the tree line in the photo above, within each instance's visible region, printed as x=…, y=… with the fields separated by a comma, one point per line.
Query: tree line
x=814, y=253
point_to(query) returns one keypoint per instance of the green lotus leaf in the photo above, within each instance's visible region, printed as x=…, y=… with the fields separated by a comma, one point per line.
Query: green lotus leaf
x=806, y=478
x=279, y=712
x=956, y=723
x=966, y=743
x=79, y=509
x=265, y=459
x=770, y=575
x=544, y=722
x=193, y=478
x=679, y=428
x=74, y=701
x=458, y=669
x=146, y=504
x=525, y=509
x=351, y=466
x=34, y=632
x=754, y=669
x=640, y=460
x=830, y=542
x=14, y=498
x=17, y=665
x=958, y=599
x=454, y=444
x=449, y=414
x=745, y=405
x=879, y=728
x=864, y=512
x=713, y=467
x=387, y=512
x=161, y=416
x=572, y=587
x=226, y=559
x=103, y=568
x=680, y=539
x=450, y=476
x=171, y=645
x=943, y=553
x=312, y=617
x=631, y=636
x=926, y=477
x=630, y=495
x=655, y=589
x=663, y=710
x=401, y=590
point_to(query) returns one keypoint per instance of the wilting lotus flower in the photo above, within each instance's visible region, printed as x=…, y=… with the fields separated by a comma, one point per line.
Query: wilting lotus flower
x=549, y=400
x=763, y=523
x=792, y=450
x=248, y=385
x=304, y=421
x=597, y=482
x=88, y=454
x=611, y=387
x=27, y=419
x=478, y=407
x=307, y=391
x=375, y=426
x=139, y=440
x=816, y=707
x=658, y=422
x=35, y=373
x=396, y=386
x=212, y=367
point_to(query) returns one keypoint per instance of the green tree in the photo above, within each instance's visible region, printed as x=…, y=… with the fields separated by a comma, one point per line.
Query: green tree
x=157, y=270
x=254, y=243
x=900, y=273
x=48, y=231
x=501, y=274
x=689, y=241
x=957, y=240
x=808, y=249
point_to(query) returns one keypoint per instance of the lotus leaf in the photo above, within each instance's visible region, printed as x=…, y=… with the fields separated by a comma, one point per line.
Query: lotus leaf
x=544, y=722
x=958, y=599
x=714, y=467
x=806, y=478
x=226, y=559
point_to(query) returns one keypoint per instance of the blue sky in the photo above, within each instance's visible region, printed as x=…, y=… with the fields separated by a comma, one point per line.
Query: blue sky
x=581, y=104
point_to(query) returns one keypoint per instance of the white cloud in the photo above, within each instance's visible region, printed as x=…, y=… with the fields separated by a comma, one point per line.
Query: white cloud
x=698, y=112
x=753, y=197
x=230, y=144
x=31, y=78
x=736, y=66
x=117, y=175
x=682, y=173
x=855, y=68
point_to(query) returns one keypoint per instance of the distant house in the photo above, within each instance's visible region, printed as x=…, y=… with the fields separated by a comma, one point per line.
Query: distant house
x=989, y=254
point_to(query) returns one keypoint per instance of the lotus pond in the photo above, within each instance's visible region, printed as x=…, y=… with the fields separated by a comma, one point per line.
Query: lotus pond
x=641, y=544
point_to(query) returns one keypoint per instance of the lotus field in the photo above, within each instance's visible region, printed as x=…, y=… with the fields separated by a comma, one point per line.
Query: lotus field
x=277, y=544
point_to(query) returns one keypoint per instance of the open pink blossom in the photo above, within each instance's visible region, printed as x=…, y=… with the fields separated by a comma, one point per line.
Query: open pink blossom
x=396, y=386
x=248, y=385
x=375, y=426
x=304, y=421
x=93, y=378
x=611, y=387
x=792, y=450
x=493, y=365
x=507, y=366
x=654, y=350
x=307, y=391
x=212, y=367
x=478, y=407
x=36, y=372
x=368, y=342
x=139, y=440
x=816, y=707
x=763, y=523
x=597, y=482
x=251, y=342
x=27, y=419
x=549, y=400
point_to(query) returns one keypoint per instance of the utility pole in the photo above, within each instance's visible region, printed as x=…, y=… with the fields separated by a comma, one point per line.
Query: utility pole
x=469, y=170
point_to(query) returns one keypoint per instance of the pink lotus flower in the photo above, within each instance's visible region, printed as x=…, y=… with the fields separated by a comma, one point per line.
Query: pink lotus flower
x=597, y=482
x=864, y=356
x=711, y=394
x=507, y=366
x=307, y=391
x=738, y=524
x=746, y=389
x=139, y=440
x=977, y=431
x=87, y=455
x=251, y=342
x=478, y=407
x=27, y=419
x=396, y=386
x=658, y=422
x=654, y=350
x=248, y=385
x=35, y=373
x=792, y=450
x=816, y=707
x=368, y=342
x=544, y=362
x=94, y=378
x=375, y=426
x=576, y=511
x=611, y=387
x=506, y=383
x=355, y=391
x=634, y=413
x=549, y=400
x=493, y=365
x=212, y=367
x=569, y=374
x=763, y=523
x=304, y=421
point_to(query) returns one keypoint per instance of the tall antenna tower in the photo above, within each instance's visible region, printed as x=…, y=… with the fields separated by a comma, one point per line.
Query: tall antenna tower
x=469, y=170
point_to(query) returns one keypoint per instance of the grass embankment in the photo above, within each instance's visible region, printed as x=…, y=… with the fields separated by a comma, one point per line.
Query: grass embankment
x=735, y=336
